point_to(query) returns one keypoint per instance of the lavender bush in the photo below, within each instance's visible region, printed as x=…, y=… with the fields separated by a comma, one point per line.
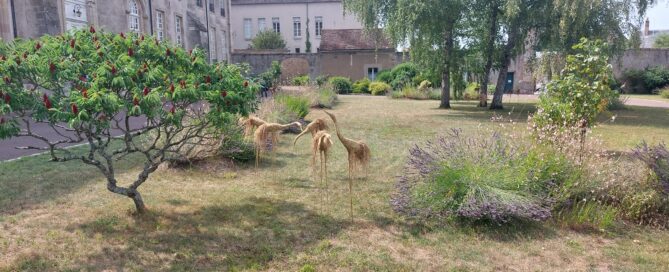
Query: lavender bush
x=458, y=177
x=657, y=159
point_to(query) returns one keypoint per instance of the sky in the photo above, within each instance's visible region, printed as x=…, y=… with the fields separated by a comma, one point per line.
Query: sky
x=659, y=16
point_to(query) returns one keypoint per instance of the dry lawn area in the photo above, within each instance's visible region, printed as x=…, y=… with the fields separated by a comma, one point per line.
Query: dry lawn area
x=60, y=217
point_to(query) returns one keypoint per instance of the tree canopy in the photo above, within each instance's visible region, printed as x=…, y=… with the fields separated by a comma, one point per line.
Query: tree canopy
x=662, y=41
x=268, y=40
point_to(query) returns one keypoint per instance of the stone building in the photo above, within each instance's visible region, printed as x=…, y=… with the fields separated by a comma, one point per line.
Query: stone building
x=188, y=23
x=298, y=21
x=355, y=54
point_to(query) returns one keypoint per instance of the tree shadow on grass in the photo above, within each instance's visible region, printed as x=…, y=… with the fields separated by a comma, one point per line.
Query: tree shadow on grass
x=31, y=181
x=246, y=235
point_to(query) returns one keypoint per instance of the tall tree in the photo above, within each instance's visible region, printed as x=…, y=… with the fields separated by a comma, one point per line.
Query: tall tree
x=485, y=27
x=429, y=26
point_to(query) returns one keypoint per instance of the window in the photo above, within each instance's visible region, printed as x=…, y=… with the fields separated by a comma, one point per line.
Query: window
x=247, y=29
x=319, y=26
x=261, y=24
x=276, y=25
x=160, y=25
x=133, y=16
x=211, y=6
x=297, y=50
x=297, y=27
x=372, y=72
x=198, y=3
x=222, y=6
x=179, y=26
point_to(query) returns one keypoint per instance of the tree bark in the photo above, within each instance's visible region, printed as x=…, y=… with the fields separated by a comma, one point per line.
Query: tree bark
x=505, y=61
x=446, y=73
x=128, y=192
x=490, y=47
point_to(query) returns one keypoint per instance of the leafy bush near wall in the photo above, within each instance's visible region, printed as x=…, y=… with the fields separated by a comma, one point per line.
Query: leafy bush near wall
x=327, y=98
x=403, y=75
x=268, y=40
x=322, y=80
x=341, y=85
x=302, y=80
x=385, y=76
x=379, y=88
x=361, y=86
x=646, y=81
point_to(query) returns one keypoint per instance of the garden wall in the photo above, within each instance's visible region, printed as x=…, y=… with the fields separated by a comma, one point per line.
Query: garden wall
x=639, y=59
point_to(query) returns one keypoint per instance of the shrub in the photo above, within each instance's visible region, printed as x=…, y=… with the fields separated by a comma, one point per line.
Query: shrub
x=403, y=75
x=268, y=40
x=234, y=146
x=424, y=85
x=327, y=98
x=322, y=80
x=582, y=91
x=618, y=102
x=456, y=177
x=296, y=104
x=301, y=80
x=646, y=81
x=413, y=93
x=379, y=88
x=341, y=85
x=361, y=86
x=472, y=92
x=385, y=76
x=664, y=93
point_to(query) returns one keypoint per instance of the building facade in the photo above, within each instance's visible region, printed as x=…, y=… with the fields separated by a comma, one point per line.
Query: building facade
x=298, y=21
x=187, y=23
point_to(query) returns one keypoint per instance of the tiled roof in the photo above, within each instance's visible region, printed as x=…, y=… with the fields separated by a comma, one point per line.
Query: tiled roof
x=258, y=2
x=353, y=39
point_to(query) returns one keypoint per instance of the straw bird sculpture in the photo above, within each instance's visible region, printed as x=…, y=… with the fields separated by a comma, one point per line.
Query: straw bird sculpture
x=266, y=137
x=314, y=127
x=321, y=145
x=250, y=124
x=358, y=156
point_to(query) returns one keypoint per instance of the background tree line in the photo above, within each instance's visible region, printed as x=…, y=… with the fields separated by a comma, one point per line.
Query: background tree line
x=481, y=36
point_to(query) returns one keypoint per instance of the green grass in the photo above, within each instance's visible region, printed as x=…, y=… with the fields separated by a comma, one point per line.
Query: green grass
x=59, y=216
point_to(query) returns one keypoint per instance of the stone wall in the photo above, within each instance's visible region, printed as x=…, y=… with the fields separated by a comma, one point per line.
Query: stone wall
x=294, y=63
x=639, y=59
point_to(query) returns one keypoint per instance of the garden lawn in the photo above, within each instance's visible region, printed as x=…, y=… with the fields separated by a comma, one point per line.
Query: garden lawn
x=655, y=97
x=59, y=216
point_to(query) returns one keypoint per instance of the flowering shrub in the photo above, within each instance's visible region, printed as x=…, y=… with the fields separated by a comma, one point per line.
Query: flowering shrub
x=379, y=88
x=95, y=84
x=477, y=179
x=582, y=91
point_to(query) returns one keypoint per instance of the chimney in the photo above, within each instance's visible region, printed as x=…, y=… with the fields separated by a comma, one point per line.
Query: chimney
x=646, y=29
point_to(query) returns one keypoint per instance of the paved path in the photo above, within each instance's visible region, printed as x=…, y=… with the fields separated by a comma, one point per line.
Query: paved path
x=8, y=146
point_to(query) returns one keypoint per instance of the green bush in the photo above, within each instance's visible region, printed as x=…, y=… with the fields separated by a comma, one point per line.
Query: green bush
x=472, y=92
x=582, y=91
x=301, y=80
x=234, y=146
x=341, y=85
x=267, y=40
x=361, y=86
x=379, y=88
x=403, y=75
x=664, y=93
x=424, y=85
x=322, y=80
x=385, y=76
x=414, y=93
x=327, y=98
x=296, y=104
x=646, y=81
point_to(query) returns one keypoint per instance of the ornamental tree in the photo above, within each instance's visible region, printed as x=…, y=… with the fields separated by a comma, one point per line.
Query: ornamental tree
x=90, y=87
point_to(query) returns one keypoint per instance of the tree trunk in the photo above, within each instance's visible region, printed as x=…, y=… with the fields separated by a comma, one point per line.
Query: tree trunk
x=489, y=54
x=504, y=69
x=128, y=192
x=446, y=73
x=139, y=203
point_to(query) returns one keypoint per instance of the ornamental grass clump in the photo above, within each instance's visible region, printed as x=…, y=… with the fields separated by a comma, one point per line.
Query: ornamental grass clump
x=474, y=178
